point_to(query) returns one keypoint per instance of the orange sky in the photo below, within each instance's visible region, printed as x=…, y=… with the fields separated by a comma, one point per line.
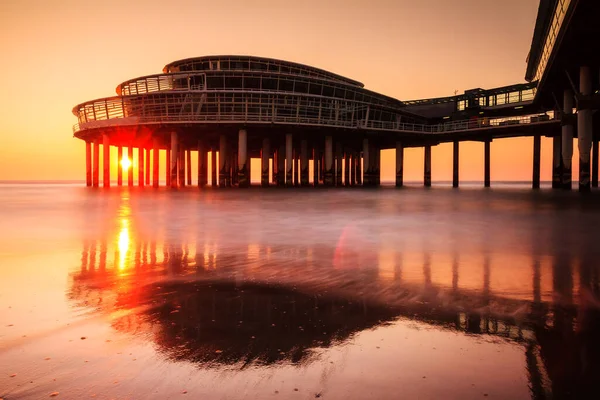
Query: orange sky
x=58, y=54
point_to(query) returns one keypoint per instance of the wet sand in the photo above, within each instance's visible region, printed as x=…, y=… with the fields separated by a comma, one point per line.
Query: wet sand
x=298, y=294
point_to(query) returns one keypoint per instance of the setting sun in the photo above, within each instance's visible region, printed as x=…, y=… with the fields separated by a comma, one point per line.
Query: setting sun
x=125, y=163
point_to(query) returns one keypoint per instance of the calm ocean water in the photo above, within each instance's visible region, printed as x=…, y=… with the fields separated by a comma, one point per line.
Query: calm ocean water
x=298, y=293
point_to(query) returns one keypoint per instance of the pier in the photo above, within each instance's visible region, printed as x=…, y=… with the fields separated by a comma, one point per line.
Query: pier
x=294, y=118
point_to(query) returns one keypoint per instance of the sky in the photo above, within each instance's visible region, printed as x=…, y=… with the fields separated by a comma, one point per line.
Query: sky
x=56, y=54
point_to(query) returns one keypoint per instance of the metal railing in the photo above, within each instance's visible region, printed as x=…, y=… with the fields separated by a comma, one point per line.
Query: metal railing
x=265, y=117
x=162, y=82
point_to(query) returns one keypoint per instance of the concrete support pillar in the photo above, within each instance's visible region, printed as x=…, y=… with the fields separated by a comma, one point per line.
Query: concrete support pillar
x=106, y=161
x=328, y=175
x=537, y=152
x=584, y=130
x=358, y=169
x=281, y=171
x=322, y=166
x=264, y=162
x=155, y=162
x=296, y=168
x=168, y=167
x=120, y=166
x=303, y=162
x=399, y=164
x=202, y=164
x=556, y=162
x=567, y=139
x=223, y=161
x=275, y=169
x=289, y=159
x=88, y=163
x=96, y=161
x=338, y=163
x=347, y=169
x=243, y=176
x=427, y=166
x=595, y=163
x=316, y=162
x=130, y=170
x=232, y=166
x=147, y=166
x=181, y=165
x=366, y=163
x=188, y=164
x=174, y=159
x=486, y=163
x=455, y=159
x=353, y=169
x=213, y=167
x=249, y=172
x=140, y=167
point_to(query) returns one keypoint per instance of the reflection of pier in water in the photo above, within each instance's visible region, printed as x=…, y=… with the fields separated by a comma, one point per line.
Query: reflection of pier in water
x=264, y=305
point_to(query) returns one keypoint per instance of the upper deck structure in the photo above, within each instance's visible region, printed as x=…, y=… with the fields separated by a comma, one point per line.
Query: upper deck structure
x=245, y=106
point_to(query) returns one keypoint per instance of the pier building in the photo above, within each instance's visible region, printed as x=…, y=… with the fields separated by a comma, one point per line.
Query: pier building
x=292, y=116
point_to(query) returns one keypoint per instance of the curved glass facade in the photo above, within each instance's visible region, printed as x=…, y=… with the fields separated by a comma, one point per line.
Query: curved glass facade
x=247, y=90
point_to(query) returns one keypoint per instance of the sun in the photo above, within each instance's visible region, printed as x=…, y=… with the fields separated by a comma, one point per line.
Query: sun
x=125, y=163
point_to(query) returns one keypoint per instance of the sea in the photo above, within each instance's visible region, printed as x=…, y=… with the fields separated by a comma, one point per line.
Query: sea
x=299, y=293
